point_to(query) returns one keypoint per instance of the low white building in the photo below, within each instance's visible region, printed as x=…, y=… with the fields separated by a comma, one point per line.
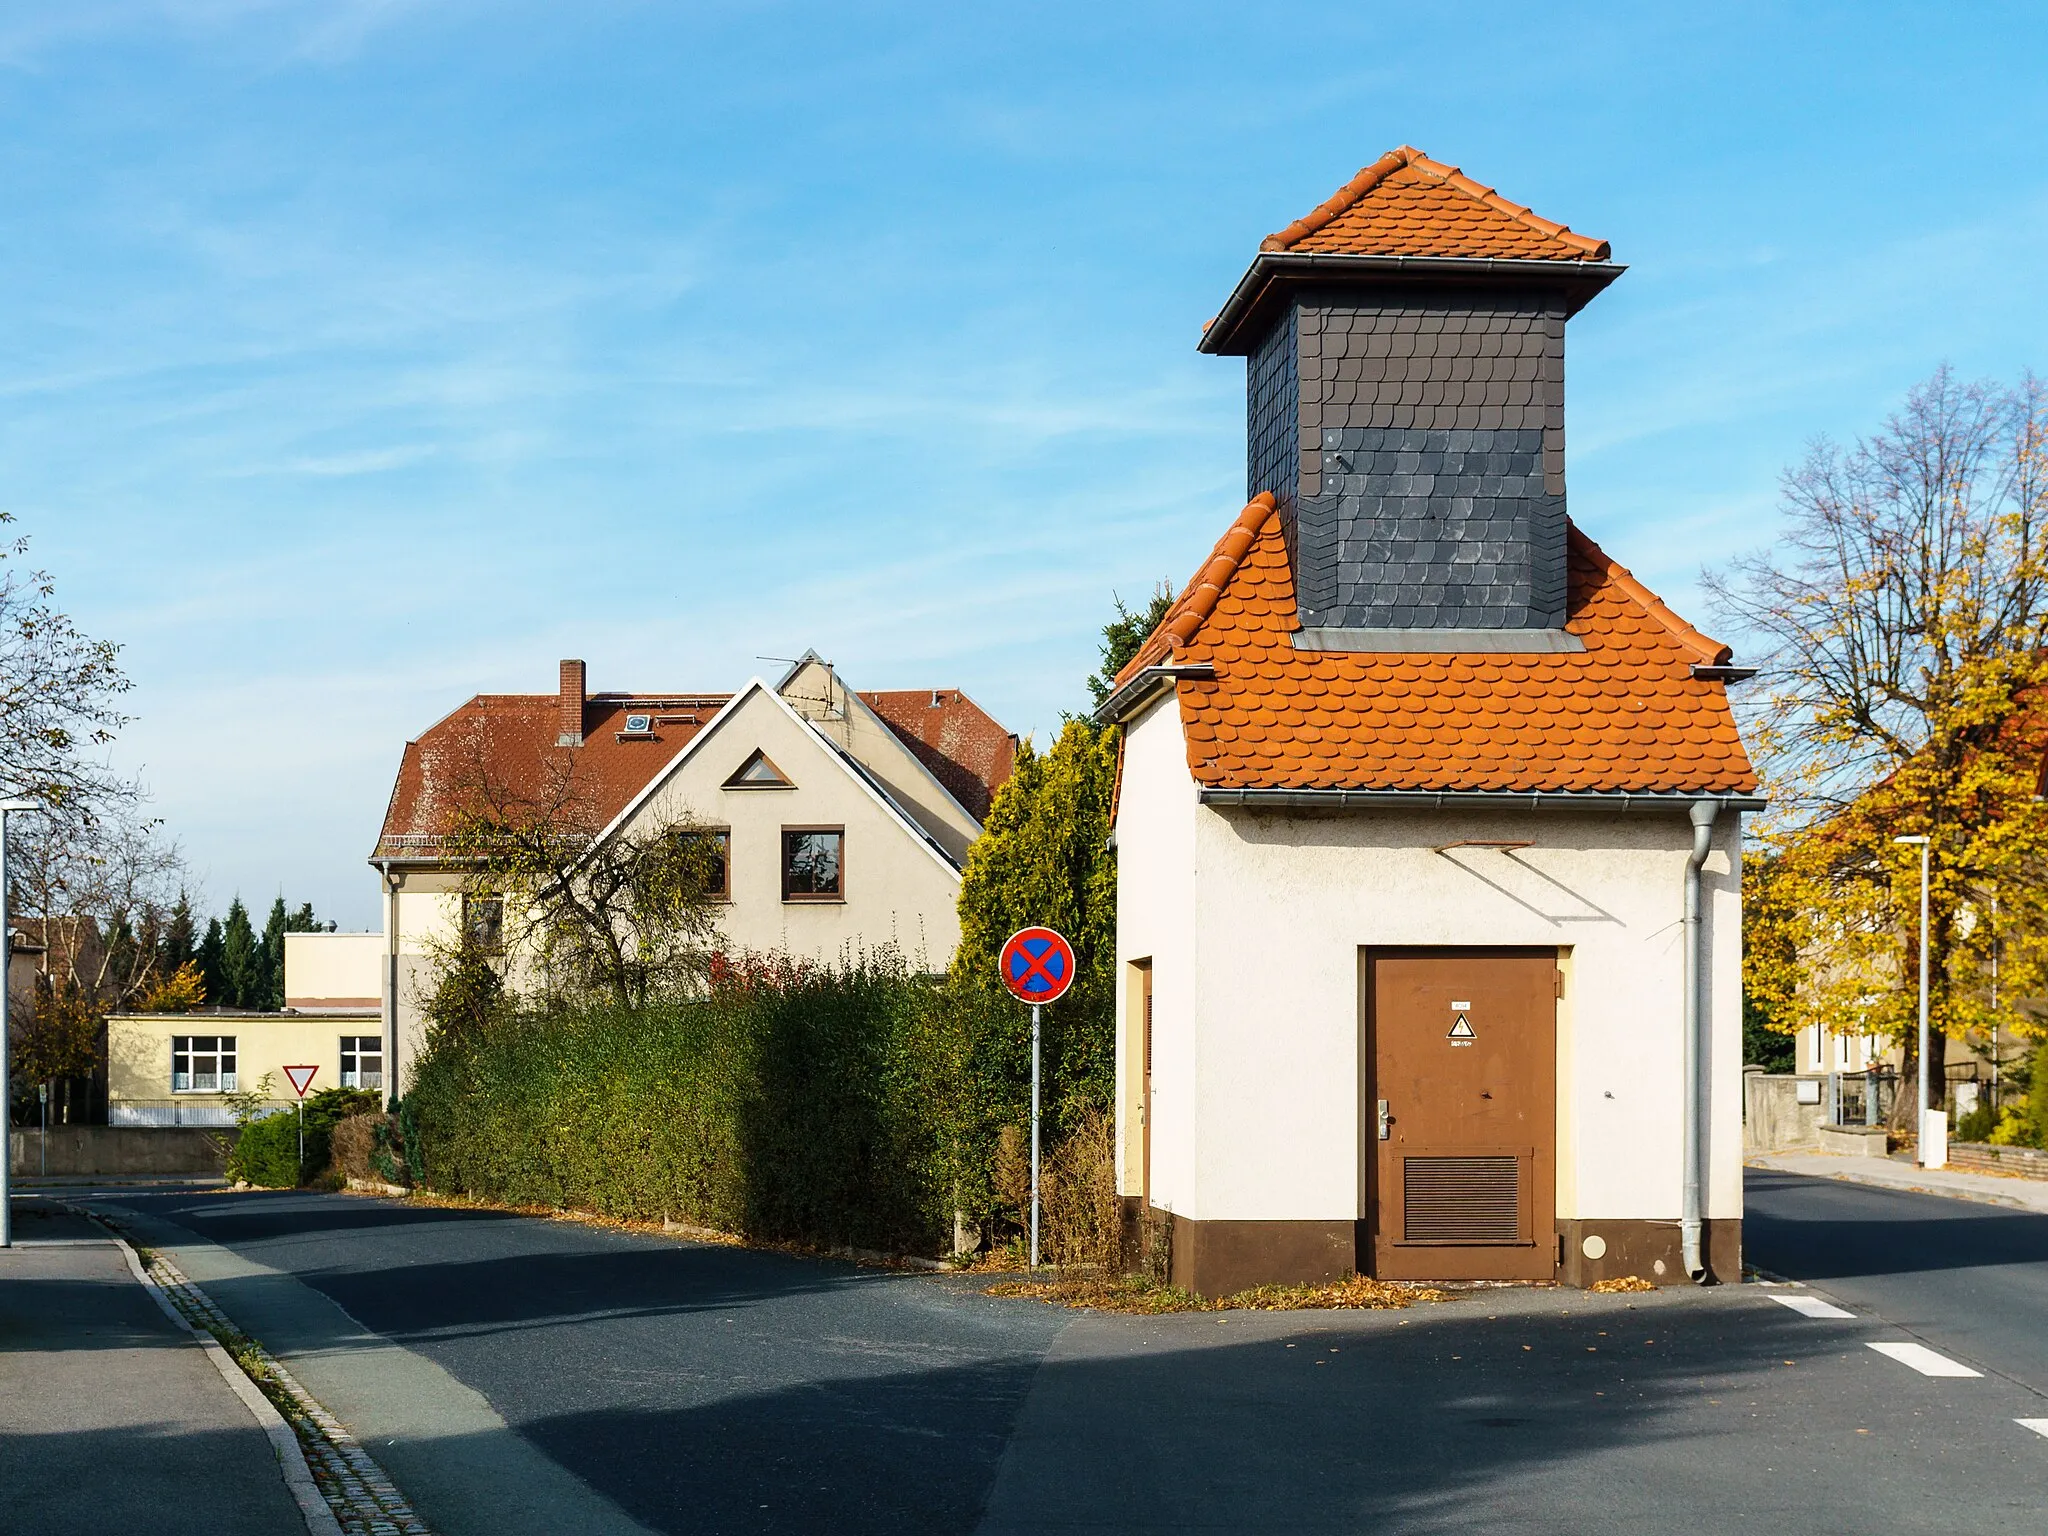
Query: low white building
x=1429, y=853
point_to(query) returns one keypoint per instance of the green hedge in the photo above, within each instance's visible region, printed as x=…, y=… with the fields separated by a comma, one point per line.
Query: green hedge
x=267, y=1151
x=794, y=1103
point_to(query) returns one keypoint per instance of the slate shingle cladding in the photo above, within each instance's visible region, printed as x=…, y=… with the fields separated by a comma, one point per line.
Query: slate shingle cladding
x=1427, y=490
x=1273, y=454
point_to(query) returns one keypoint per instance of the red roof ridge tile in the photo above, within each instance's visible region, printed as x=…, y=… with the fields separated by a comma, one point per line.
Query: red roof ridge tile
x=1198, y=599
x=1711, y=652
x=1407, y=156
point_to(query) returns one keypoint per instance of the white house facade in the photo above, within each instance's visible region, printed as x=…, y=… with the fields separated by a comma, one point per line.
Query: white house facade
x=843, y=818
x=1428, y=825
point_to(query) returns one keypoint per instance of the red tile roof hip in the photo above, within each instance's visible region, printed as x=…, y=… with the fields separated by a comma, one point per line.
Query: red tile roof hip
x=1624, y=714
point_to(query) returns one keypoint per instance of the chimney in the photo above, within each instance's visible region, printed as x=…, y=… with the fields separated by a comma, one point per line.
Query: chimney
x=1406, y=408
x=569, y=706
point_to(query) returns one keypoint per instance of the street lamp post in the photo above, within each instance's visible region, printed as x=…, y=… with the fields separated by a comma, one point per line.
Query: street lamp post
x=6, y=1037
x=1920, y=1121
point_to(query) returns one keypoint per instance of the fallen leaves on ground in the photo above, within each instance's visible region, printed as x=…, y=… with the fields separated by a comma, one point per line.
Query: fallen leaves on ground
x=1130, y=1294
x=1622, y=1283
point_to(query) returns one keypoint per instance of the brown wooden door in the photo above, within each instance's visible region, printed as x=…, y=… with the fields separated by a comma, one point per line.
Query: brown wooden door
x=1461, y=1114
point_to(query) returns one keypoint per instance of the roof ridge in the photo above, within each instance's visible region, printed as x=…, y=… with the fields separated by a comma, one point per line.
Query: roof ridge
x=1198, y=598
x=1355, y=191
x=1711, y=652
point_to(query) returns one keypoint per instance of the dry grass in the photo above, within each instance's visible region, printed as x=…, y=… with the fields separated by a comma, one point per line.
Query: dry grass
x=1620, y=1284
x=1135, y=1294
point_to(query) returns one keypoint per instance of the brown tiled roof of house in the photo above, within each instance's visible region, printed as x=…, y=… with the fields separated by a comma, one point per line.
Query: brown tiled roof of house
x=962, y=745
x=511, y=738
x=1406, y=204
x=1623, y=715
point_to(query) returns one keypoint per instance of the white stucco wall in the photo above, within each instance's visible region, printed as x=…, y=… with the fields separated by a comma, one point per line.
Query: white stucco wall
x=1257, y=1030
x=816, y=692
x=332, y=968
x=898, y=889
x=1155, y=920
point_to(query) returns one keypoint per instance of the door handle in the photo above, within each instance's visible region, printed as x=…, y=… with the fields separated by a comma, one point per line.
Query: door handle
x=1386, y=1121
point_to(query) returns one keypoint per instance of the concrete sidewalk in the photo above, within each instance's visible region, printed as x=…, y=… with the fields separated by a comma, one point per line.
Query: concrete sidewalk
x=1985, y=1188
x=111, y=1417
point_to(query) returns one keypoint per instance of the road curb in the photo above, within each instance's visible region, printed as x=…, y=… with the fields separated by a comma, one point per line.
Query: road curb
x=284, y=1442
x=347, y=1493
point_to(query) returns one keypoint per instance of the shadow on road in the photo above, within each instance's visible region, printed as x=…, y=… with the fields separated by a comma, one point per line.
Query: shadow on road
x=1450, y=1422
x=1825, y=1229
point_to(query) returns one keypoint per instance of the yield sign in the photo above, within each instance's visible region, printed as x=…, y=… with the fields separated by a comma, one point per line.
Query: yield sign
x=1037, y=965
x=302, y=1078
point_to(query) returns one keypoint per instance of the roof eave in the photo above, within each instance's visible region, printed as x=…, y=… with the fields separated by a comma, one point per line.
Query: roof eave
x=1448, y=800
x=1272, y=273
x=1144, y=686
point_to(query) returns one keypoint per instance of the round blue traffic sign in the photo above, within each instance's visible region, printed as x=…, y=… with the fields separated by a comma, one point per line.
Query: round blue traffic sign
x=1037, y=965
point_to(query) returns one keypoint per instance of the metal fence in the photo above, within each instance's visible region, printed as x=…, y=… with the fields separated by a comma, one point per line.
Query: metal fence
x=1861, y=1098
x=164, y=1114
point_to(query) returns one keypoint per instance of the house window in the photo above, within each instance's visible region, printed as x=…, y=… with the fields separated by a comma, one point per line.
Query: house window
x=483, y=922
x=203, y=1064
x=717, y=872
x=813, y=863
x=757, y=772
x=362, y=1061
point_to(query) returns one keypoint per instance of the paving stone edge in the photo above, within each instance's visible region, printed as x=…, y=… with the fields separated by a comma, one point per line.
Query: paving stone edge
x=351, y=1494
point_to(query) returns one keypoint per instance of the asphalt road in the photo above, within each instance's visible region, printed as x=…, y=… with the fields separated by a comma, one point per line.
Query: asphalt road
x=1970, y=1278
x=519, y=1374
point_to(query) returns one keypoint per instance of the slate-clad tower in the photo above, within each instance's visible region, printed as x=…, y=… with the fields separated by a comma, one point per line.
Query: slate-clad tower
x=1405, y=405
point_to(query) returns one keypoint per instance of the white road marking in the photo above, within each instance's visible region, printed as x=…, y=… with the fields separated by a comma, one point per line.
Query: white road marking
x=1925, y=1360
x=2038, y=1426
x=1811, y=1306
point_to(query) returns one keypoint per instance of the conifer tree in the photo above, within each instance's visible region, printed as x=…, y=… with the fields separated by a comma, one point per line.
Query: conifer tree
x=1042, y=858
x=240, y=960
x=1123, y=636
x=176, y=944
x=270, y=957
x=212, y=958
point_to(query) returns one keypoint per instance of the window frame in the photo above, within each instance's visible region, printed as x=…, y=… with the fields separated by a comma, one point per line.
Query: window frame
x=724, y=837
x=222, y=1049
x=352, y=1046
x=811, y=898
x=496, y=946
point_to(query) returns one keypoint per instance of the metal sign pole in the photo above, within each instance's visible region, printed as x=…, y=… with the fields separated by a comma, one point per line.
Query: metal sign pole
x=1034, y=1135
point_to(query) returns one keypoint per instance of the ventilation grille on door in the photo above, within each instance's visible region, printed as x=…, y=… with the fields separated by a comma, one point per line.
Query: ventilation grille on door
x=1461, y=1199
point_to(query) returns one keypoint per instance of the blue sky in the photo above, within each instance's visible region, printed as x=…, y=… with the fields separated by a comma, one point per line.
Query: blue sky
x=361, y=355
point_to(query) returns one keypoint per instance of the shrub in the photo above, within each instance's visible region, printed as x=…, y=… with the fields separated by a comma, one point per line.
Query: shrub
x=267, y=1152
x=791, y=1102
x=325, y=1110
x=1978, y=1124
x=1080, y=1219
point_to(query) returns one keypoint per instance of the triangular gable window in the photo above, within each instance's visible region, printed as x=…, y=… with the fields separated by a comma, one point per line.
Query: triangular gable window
x=757, y=772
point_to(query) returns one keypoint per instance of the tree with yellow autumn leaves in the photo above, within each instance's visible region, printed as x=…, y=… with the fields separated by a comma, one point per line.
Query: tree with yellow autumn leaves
x=1904, y=616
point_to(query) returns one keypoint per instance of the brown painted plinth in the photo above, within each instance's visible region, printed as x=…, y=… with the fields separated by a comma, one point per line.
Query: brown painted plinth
x=1217, y=1258
x=1639, y=1247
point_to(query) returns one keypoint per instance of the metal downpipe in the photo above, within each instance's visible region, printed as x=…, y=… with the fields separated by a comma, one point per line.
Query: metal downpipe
x=1703, y=815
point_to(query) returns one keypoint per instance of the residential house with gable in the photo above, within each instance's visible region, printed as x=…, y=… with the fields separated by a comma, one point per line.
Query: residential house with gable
x=843, y=817
x=1429, y=920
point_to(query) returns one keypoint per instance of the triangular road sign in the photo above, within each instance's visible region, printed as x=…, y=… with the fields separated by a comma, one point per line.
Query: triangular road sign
x=1462, y=1030
x=302, y=1078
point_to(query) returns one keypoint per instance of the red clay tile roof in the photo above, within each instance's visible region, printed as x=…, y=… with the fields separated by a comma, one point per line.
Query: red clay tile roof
x=1406, y=204
x=512, y=736
x=955, y=738
x=1623, y=715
